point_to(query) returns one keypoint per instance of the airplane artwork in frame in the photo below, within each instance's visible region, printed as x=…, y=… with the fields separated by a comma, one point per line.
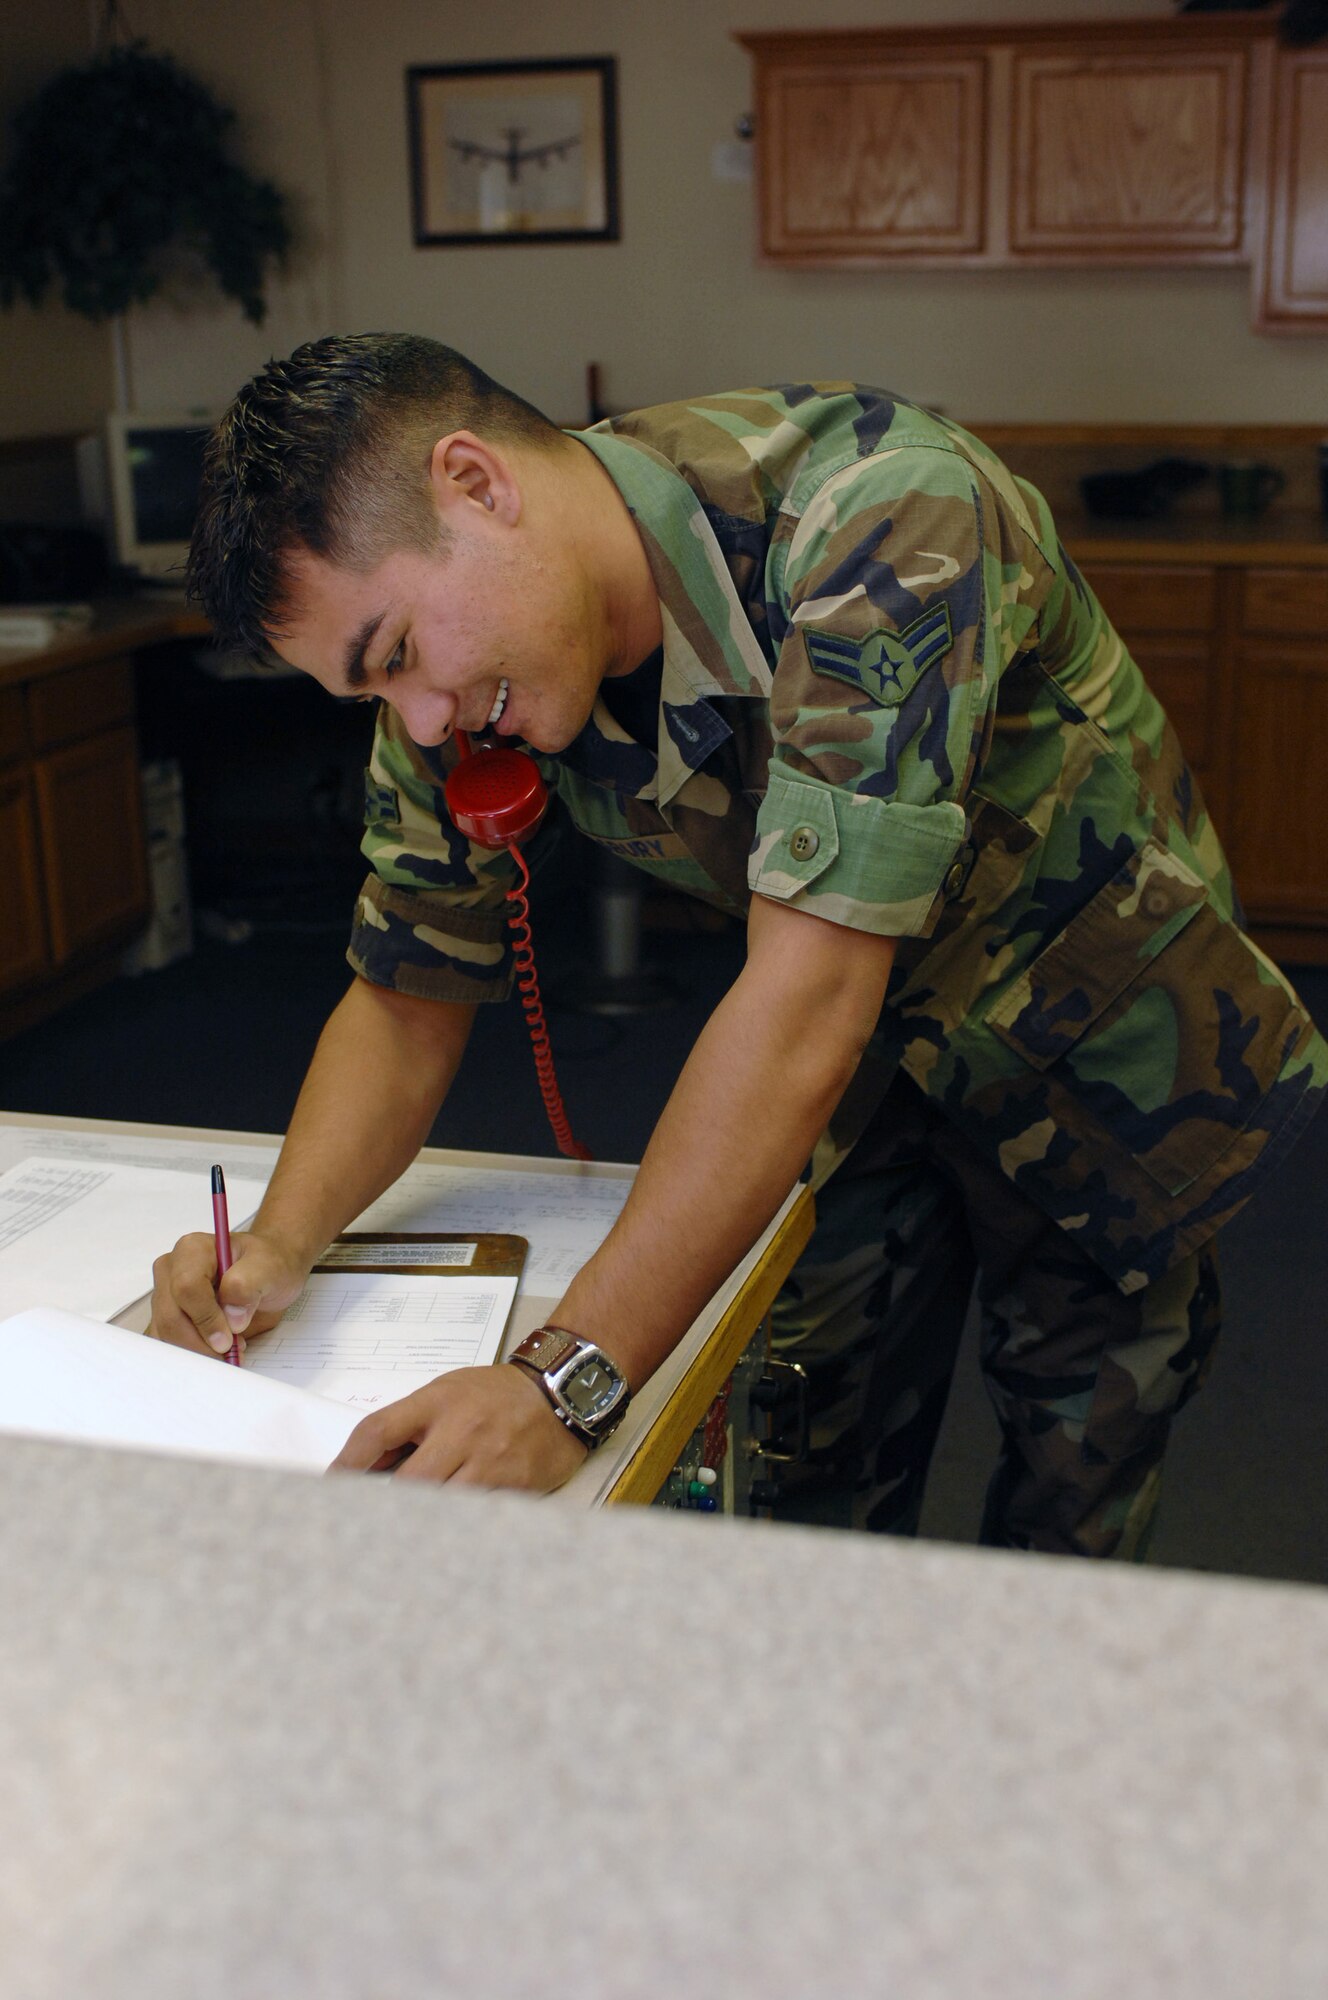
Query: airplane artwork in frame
x=520, y=152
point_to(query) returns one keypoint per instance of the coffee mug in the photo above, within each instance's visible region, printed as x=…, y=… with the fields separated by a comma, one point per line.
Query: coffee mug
x=1246, y=487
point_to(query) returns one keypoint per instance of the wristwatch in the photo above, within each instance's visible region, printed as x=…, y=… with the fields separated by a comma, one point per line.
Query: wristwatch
x=587, y=1390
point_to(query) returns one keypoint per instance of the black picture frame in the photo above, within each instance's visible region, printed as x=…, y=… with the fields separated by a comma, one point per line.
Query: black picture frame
x=479, y=175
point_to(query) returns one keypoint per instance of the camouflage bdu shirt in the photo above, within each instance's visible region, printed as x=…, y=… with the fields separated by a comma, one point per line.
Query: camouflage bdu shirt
x=889, y=698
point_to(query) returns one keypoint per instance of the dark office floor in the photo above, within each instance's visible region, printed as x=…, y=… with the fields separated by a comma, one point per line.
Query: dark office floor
x=223, y=1037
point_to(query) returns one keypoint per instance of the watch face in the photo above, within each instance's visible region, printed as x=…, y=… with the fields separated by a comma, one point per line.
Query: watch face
x=590, y=1391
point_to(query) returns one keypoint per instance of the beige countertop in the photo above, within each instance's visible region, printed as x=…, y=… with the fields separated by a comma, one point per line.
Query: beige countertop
x=271, y=1736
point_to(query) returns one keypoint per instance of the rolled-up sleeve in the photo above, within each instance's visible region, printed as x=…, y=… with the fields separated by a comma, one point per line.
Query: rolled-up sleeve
x=431, y=917
x=873, y=864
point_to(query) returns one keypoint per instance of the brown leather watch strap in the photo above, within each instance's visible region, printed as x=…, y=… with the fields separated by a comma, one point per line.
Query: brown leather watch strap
x=547, y=1347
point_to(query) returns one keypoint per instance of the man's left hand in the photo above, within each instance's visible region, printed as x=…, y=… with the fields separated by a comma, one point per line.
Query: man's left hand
x=477, y=1426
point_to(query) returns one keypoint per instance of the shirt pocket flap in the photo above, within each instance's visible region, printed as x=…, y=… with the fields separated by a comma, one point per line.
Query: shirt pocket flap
x=1112, y=940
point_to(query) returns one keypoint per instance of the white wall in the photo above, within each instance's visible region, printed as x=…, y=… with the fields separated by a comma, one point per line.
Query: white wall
x=680, y=304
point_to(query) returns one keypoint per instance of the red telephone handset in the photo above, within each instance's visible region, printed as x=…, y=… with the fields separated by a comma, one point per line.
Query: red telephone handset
x=497, y=798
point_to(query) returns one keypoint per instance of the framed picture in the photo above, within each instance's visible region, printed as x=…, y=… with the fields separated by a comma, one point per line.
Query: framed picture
x=515, y=152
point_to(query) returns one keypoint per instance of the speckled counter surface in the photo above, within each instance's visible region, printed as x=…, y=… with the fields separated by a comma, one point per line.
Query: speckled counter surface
x=262, y=1735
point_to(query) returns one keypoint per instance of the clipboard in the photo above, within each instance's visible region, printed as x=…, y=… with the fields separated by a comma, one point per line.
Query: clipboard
x=426, y=1253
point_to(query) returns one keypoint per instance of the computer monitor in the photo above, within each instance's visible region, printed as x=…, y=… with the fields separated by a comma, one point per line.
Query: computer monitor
x=154, y=466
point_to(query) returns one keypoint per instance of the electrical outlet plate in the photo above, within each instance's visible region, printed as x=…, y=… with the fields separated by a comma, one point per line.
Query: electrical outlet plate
x=731, y=160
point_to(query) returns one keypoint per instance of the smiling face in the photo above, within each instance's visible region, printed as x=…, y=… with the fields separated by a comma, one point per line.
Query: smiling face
x=438, y=637
x=510, y=618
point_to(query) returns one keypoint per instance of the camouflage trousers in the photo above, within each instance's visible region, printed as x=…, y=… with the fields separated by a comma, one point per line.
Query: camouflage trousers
x=1084, y=1380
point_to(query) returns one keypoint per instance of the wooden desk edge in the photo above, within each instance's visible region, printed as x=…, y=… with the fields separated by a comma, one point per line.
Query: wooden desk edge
x=650, y=1465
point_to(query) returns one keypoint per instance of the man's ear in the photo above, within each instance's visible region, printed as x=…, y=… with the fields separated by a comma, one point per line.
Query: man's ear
x=465, y=472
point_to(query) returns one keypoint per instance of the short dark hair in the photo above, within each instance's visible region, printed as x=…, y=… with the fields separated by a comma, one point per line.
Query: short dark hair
x=330, y=451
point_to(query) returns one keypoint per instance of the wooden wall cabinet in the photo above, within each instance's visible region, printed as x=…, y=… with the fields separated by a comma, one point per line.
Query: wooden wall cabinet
x=1193, y=140
x=1291, y=275
x=72, y=824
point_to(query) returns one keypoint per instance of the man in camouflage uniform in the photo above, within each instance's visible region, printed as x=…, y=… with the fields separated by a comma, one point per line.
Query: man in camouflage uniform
x=840, y=675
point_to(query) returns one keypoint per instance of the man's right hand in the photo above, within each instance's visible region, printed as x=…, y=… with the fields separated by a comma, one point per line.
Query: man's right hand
x=381, y=1070
x=189, y=1310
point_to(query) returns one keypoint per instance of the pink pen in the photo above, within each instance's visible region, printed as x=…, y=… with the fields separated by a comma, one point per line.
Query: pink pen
x=221, y=1230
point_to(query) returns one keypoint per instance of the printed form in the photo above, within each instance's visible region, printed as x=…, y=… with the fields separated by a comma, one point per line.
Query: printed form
x=367, y=1337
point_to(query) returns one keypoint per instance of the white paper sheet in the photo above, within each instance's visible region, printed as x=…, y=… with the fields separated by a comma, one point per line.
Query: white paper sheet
x=65, y=1377
x=368, y=1338
x=86, y=1231
x=130, y=1149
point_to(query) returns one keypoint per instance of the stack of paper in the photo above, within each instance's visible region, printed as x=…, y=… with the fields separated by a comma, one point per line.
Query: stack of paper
x=383, y=1316
x=33, y=625
x=65, y=1377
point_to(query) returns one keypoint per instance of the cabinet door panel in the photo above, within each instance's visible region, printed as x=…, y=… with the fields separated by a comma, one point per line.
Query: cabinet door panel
x=24, y=952
x=1292, y=282
x=1281, y=758
x=889, y=161
x=1287, y=601
x=79, y=702
x=90, y=809
x=1135, y=156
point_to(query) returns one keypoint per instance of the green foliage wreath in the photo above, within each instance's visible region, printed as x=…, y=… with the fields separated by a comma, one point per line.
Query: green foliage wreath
x=116, y=162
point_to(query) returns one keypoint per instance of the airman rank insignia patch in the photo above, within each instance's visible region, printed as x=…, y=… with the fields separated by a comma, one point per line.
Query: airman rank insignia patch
x=885, y=665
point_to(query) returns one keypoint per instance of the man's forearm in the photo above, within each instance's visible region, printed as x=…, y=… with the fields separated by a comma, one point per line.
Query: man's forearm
x=382, y=1068
x=754, y=1096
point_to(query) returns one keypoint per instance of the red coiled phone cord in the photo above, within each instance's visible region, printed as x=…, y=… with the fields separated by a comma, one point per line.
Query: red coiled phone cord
x=528, y=987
